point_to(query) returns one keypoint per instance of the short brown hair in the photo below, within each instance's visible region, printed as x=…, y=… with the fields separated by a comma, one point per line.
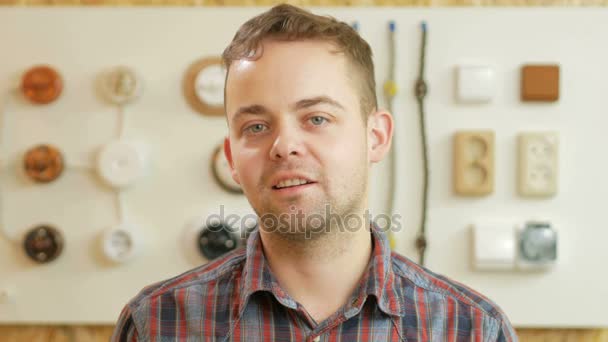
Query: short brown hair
x=287, y=22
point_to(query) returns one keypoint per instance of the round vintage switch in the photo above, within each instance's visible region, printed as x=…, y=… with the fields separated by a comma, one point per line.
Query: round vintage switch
x=121, y=85
x=41, y=84
x=204, y=86
x=217, y=232
x=120, y=164
x=43, y=244
x=43, y=163
x=221, y=171
x=217, y=239
x=120, y=244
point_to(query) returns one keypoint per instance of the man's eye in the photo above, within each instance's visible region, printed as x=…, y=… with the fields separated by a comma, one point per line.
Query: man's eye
x=317, y=120
x=256, y=128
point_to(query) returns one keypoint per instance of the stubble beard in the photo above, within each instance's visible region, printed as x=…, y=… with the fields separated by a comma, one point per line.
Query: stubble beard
x=302, y=219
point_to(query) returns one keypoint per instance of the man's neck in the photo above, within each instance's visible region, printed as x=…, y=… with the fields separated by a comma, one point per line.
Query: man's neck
x=322, y=273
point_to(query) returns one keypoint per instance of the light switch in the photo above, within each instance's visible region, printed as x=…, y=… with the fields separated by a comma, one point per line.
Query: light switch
x=120, y=164
x=120, y=243
x=120, y=85
x=540, y=83
x=475, y=84
x=494, y=245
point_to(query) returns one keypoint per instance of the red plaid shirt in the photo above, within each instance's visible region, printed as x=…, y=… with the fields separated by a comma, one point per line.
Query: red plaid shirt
x=236, y=298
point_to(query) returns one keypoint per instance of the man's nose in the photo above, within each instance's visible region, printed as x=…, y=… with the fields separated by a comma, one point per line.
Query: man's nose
x=287, y=143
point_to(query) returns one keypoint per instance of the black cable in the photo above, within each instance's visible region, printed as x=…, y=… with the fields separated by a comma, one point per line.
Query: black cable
x=421, y=92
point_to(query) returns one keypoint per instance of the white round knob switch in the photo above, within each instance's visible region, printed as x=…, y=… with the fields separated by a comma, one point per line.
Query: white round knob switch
x=121, y=85
x=120, y=164
x=209, y=84
x=121, y=243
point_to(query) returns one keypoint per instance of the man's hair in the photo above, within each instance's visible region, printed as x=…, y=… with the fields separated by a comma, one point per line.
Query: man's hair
x=290, y=23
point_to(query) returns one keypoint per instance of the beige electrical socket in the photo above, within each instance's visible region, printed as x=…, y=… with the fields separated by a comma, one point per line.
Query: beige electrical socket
x=474, y=163
x=538, y=171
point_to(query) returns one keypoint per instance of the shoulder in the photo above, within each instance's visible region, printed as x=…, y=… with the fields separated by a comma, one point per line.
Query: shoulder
x=441, y=302
x=222, y=270
x=155, y=310
x=442, y=286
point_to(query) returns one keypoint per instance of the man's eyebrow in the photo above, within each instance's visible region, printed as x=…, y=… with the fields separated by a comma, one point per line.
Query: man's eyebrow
x=253, y=109
x=257, y=109
x=305, y=103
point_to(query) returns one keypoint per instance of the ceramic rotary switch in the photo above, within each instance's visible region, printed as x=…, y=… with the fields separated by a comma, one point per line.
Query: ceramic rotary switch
x=217, y=233
x=121, y=243
x=43, y=244
x=43, y=163
x=204, y=86
x=120, y=164
x=41, y=84
x=120, y=85
x=216, y=239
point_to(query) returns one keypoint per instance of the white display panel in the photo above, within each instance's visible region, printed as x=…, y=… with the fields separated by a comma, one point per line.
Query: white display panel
x=82, y=286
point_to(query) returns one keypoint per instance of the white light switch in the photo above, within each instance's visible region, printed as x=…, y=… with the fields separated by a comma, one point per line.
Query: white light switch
x=475, y=84
x=494, y=245
x=120, y=164
x=538, y=168
x=121, y=243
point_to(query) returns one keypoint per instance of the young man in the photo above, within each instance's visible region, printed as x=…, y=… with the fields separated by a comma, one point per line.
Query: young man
x=304, y=129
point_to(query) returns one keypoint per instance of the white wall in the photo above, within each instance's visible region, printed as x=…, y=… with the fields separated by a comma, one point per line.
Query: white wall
x=162, y=42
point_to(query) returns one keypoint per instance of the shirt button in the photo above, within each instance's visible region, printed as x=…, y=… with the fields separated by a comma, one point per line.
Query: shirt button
x=316, y=339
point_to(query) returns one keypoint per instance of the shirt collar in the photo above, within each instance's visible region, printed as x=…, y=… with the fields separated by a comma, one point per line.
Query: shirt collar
x=378, y=280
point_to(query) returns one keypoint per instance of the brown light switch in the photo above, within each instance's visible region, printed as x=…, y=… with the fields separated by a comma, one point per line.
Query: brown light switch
x=540, y=83
x=43, y=163
x=41, y=84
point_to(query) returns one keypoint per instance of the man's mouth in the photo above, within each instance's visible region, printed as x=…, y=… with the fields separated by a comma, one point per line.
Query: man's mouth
x=290, y=183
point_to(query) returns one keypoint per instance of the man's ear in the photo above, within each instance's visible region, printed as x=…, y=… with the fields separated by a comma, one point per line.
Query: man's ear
x=228, y=154
x=380, y=127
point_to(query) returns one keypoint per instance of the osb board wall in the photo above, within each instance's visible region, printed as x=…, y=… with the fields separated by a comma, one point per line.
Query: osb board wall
x=11, y=333
x=309, y=2
x=99, y=334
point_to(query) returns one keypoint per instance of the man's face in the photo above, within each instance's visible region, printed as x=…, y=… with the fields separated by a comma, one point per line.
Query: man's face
x=294, y=116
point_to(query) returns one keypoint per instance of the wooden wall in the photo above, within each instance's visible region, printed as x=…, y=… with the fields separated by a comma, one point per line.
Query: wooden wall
x=103, y=333
x=11, y=333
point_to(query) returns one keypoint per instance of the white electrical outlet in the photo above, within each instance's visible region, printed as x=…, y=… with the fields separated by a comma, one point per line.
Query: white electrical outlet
x=538, y=163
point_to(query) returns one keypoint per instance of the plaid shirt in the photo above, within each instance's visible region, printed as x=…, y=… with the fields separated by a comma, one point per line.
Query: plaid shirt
x=236, y=298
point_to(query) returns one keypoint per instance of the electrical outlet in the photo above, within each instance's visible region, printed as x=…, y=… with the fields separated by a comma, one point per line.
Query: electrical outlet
x=538, y=168
x=474, y=163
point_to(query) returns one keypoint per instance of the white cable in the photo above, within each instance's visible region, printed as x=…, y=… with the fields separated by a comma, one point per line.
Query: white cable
x=79, y=167
x=3, y=231
x=398, y=142
x=120, y=207
x=121, y=122
x=13, y=237
x=391, y=90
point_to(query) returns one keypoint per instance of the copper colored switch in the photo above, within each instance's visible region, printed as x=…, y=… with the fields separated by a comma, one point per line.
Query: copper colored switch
x=43, y=163
x=43, y=244
x=41, y=84
x=540, y=83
